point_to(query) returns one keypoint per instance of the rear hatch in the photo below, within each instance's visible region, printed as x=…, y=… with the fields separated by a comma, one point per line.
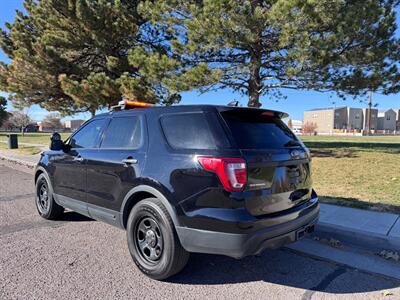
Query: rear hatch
x=278, y=163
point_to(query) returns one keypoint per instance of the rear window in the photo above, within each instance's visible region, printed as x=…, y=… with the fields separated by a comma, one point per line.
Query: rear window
x=188, y=131
x=253, y=130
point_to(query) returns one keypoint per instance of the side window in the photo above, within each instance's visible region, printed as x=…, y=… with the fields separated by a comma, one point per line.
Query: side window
x=88, y=135
x=123, y=132
x=188, y=131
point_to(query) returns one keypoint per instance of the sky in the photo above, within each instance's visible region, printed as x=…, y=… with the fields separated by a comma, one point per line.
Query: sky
x=295, y=104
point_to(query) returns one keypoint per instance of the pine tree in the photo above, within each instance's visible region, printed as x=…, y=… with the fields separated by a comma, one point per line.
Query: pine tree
x=82, y=55
x=259, y=47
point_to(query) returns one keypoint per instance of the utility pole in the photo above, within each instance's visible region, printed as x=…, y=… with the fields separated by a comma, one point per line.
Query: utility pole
x=369, y=112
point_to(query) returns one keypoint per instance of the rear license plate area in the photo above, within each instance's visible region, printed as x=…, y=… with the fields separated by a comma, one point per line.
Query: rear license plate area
x=301, y=233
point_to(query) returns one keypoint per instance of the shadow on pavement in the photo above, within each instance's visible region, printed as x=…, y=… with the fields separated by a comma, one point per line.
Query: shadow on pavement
x=71, y=216
x=282, y=267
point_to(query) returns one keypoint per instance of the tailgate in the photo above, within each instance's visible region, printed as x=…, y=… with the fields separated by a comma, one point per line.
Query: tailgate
x=278, y=164
x=279, y=181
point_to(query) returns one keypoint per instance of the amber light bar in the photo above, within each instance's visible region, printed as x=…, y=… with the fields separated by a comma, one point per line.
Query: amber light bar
x=129, y=104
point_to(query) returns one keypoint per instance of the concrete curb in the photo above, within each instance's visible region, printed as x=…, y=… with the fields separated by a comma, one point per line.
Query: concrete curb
x=30, y=165
x=359, y=238
x=348, y=256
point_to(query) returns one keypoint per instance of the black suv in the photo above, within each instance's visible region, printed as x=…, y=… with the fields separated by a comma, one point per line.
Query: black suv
x=180, y=179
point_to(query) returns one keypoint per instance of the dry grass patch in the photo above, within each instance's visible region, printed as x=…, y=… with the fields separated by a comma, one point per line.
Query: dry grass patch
x=357, y=171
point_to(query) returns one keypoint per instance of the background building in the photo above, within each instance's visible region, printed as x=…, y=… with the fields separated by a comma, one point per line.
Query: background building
x=327, y=119
x=297, y=126
x=387, y=120
x=355, y=118
x=397, y=111
x=374, y=118
x=73, y=125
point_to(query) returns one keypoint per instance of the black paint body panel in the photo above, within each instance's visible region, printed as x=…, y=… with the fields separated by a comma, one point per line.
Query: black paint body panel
x=278, y=192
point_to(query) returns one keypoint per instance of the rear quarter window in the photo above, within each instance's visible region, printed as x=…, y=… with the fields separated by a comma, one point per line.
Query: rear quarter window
x=188, y=131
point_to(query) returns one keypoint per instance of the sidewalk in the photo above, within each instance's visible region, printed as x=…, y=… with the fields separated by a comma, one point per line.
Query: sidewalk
x=27, y=160
x=370, y=229
x=356, y=238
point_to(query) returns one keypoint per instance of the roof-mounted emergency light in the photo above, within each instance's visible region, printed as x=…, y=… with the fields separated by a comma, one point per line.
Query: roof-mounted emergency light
x=129, y=104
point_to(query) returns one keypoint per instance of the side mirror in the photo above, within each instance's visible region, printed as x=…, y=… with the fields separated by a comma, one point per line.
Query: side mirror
x=55, y=142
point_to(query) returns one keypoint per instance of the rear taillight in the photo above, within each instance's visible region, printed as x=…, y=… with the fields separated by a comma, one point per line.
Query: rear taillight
x=232, y=172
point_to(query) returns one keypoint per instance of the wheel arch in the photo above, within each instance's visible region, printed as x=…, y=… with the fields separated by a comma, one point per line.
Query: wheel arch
x=40, y=170
x=139, y=193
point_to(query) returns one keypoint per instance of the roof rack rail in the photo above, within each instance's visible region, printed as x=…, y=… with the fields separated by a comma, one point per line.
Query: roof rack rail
x=129, y=104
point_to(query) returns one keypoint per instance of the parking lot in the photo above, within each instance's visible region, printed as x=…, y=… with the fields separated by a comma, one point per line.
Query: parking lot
x=78, y=258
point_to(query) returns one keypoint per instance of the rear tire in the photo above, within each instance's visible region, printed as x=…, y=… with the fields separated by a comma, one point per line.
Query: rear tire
x=45, y=204
x=152, y=240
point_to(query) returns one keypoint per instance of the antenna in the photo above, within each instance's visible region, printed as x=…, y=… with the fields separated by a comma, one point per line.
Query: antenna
x=234, y=103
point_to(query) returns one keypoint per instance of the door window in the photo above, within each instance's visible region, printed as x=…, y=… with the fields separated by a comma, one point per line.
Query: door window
x=123, y=133
x=88, y=136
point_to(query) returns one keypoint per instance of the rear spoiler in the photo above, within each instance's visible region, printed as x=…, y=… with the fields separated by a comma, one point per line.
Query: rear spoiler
x=265, y=112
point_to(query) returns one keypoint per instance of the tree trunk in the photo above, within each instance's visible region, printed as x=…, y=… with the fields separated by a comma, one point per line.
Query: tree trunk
x=255, y=51
x=92, y=111
x=254, y=83
x=254, y=87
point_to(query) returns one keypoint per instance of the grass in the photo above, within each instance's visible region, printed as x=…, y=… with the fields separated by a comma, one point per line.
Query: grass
x=361, y=172
x=22, y=149
x=33, y=138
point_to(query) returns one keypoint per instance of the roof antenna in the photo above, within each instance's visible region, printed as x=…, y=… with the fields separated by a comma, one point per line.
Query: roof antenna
x=234, y=103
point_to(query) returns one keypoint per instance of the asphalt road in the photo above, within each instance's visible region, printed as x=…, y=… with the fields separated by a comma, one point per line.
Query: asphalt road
x=78, y=258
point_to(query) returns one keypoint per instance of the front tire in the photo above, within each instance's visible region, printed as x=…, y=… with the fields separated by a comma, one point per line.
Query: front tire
x=45, y=204
x=153, y=242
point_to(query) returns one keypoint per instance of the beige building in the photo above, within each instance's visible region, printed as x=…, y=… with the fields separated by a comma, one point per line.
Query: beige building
x=73, y=124
x=387, y=120
x=341, y=119
x=374, y=119
x=327, y=119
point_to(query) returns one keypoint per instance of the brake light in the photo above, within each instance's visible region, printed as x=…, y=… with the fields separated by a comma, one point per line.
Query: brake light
x=231, y=172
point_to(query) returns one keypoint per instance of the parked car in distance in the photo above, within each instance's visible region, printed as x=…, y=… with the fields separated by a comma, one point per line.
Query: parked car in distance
x=181, y=179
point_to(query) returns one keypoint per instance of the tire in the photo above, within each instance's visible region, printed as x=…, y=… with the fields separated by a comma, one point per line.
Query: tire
x=153, y=242
x=44, y=201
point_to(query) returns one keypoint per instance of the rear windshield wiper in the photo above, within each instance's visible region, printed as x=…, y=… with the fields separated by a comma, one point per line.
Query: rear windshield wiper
x=292, y=143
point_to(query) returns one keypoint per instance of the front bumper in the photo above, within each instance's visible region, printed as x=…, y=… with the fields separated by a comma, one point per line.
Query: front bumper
x=297, y=224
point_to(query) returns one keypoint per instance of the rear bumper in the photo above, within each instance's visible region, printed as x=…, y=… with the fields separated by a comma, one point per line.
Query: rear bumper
x=257, y=239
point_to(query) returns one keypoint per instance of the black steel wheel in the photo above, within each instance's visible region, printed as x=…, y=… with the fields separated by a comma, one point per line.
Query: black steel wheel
x=149, y=240
x=152, y=240
x=45, y=204
x=42, y=199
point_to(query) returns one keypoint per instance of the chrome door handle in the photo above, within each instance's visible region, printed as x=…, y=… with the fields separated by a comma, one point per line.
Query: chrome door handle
x=78, y=158
x=130, y=161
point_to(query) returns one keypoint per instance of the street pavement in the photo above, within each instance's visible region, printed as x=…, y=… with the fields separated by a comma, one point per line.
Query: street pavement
x=78, y=258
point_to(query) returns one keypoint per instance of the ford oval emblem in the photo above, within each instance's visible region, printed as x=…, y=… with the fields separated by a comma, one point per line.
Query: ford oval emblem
x=296, y=154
